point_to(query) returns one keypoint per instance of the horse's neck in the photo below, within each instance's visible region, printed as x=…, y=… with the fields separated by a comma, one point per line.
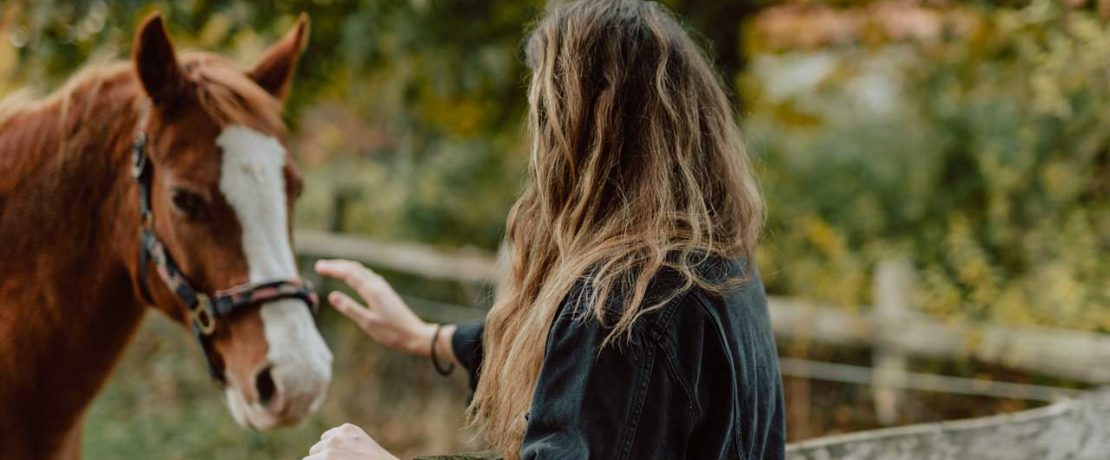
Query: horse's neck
x=64, y=176
x=68, y=227
x=65, y=190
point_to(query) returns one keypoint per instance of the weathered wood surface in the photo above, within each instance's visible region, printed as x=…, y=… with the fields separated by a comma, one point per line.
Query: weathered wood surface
x=863, y=375
x=1073, y=355
x=891, y=288
x=467, y=265
x=1077, y=429
x=1067, y=354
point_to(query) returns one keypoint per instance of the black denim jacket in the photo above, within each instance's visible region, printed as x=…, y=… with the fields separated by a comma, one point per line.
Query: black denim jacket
x=699, y=380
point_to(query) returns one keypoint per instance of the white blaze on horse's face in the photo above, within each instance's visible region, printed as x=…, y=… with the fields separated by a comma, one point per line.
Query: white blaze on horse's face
x=299, y=362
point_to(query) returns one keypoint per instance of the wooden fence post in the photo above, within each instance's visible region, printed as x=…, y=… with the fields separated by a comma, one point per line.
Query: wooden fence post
x=891, y=291
x=341, y=197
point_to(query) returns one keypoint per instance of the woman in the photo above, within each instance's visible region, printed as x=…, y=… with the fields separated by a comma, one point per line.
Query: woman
x=632, y=322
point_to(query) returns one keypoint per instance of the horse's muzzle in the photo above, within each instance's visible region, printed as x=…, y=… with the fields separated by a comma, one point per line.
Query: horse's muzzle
x=293, y=380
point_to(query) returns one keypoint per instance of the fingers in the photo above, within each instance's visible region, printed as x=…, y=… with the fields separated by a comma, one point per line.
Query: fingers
x=347, y=429
x=351, y=309
x=361, y=279
x=336, y=268
x=318, y=448
x=350, y=272
x=328, y=438
x=347, y=441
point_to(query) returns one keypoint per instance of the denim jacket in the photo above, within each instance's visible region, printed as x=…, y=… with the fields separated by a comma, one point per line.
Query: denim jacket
x=699, y=379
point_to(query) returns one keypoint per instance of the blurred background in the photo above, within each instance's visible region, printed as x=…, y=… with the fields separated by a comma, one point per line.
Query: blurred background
x=936, y=175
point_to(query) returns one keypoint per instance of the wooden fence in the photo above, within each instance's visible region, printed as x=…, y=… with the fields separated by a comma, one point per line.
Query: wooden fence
x=1073, y=429
x=891, y=324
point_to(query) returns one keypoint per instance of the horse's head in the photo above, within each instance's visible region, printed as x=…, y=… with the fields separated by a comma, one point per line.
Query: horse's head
x=222, y=193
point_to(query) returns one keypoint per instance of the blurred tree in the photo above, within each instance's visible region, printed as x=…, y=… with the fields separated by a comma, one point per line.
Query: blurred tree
x=979, y=147
x=983, y=156
x=971, y=136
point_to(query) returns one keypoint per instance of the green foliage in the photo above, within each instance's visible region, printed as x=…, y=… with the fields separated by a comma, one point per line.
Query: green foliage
x=439, y=84
x=991, y=173
x=162, y=404
x=982, y=157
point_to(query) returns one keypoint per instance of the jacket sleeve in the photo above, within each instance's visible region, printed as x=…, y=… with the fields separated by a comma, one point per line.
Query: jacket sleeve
x=590, y=402
x=467, y=346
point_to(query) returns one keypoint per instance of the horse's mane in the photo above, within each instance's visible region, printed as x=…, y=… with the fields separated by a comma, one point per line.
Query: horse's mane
x=222, y=90
x=16, y=102
x=89, y=77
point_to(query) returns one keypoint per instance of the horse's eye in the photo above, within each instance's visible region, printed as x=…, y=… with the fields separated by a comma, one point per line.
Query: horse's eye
x=190, y=204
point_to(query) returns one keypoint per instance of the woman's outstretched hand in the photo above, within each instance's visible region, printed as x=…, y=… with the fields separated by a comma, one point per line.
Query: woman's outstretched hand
x=385, y=317
x=347, y=442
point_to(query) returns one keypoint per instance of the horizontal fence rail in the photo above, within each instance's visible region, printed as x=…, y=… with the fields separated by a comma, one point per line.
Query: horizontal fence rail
x=844, y=373
x=466, y=265
x=1068, y=354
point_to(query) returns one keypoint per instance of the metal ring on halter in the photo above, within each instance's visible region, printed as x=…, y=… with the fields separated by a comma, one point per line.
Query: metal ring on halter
x=203, y=318
x=146, y=219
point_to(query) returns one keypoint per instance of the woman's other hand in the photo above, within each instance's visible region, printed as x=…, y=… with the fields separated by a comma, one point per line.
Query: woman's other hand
x=386, y=318
x=347, y=442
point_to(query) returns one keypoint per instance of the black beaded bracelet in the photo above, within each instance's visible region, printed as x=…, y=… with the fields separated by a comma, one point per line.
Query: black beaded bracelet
x=444, y=371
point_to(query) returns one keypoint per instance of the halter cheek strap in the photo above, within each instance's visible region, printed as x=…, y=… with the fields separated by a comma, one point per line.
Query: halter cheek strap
x=205, y=311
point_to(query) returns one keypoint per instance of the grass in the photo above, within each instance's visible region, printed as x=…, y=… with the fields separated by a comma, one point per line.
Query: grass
x=161, y=404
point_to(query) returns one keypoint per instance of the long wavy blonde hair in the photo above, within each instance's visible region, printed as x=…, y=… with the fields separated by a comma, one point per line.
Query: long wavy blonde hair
x=636, y=166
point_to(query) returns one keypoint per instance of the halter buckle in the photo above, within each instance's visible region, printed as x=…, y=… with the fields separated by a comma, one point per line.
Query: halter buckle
x=203, y=318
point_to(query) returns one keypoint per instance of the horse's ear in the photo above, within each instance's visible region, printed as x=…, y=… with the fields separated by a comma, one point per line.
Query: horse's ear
x=275, y=70
x=156, y=62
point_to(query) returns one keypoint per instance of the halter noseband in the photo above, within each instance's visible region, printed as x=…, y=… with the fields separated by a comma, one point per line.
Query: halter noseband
x=204, y=310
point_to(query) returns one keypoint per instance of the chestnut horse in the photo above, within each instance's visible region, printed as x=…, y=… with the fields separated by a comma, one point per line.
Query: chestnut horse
x=88, y=243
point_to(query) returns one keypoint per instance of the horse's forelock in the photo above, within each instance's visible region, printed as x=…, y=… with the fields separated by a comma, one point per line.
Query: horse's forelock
x=225, y=93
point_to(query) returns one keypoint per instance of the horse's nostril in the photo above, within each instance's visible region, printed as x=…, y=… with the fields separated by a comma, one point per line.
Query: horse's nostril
x=264, y=383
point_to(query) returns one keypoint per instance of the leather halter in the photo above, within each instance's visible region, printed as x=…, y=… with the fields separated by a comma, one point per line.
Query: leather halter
x=205, y=310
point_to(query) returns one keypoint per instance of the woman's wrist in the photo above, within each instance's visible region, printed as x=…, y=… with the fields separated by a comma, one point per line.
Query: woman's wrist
x=420, y=342
x=444, y=351
x=424, y=337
